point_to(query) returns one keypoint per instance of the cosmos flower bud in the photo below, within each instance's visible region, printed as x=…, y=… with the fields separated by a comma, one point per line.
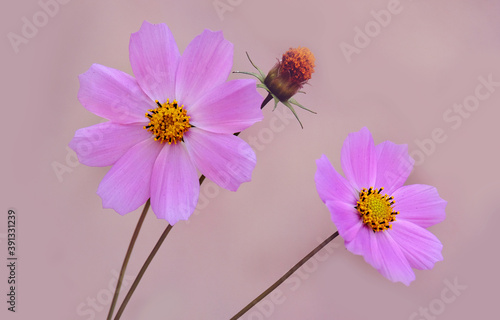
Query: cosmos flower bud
x=290, y=73
x=286, y=78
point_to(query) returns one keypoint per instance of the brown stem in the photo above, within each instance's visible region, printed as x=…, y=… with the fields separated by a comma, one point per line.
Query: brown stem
x=285, y=276
x=127, y=258
x=143, y=270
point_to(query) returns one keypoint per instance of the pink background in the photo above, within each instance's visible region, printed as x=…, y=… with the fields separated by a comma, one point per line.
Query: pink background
x=402, y=85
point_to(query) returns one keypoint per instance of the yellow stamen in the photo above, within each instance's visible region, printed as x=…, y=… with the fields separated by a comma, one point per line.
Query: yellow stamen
x=376, y=209
x=168, y=122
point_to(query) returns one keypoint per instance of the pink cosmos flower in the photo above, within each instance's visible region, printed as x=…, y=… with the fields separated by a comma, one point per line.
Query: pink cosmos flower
x=377, y=216
x=177, y=116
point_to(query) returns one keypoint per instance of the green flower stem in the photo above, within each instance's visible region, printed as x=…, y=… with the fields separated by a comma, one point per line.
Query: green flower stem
x=285, y=276
x=156, y=248
x=127, y=257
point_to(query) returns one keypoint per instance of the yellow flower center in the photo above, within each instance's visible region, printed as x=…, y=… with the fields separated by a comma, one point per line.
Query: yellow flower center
x=376, y=209
x=299, y=63
x=168, y=122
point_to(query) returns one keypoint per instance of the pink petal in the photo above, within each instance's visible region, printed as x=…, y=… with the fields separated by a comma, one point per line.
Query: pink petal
x=390, y=258
x=174, y=184
x=363, y=243
x=394, y=165
x=205, y=64
x=113, y=94
x=420, y=204
x=230, y=107
x=421, y=248
x=382, y=253
x=345, y=218
x=223, y=158
x=103, y=144
x=331, y=185
x=358, y=159
x=127, y=185
x=154, y=57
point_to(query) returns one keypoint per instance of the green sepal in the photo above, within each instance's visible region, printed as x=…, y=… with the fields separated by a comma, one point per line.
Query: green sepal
x=289, y=106
x=293, y=101
x=262, y=75
x=276, y=101
x=250, y=74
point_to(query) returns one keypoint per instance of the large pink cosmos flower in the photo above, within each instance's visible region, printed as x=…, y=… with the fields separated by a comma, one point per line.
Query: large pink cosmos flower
x=176, y=116
x=377, y=216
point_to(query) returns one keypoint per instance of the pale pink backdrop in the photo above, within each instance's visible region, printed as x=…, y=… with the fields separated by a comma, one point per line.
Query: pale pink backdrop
x=402, y=82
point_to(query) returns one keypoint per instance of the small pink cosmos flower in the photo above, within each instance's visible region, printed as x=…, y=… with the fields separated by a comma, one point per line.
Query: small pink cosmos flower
x=377, y=216
x=177, y=116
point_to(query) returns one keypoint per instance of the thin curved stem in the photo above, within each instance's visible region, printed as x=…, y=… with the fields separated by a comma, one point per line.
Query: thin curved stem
x=143, y=270
x=146, y=265
x=127, y=258
x=285, y=276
